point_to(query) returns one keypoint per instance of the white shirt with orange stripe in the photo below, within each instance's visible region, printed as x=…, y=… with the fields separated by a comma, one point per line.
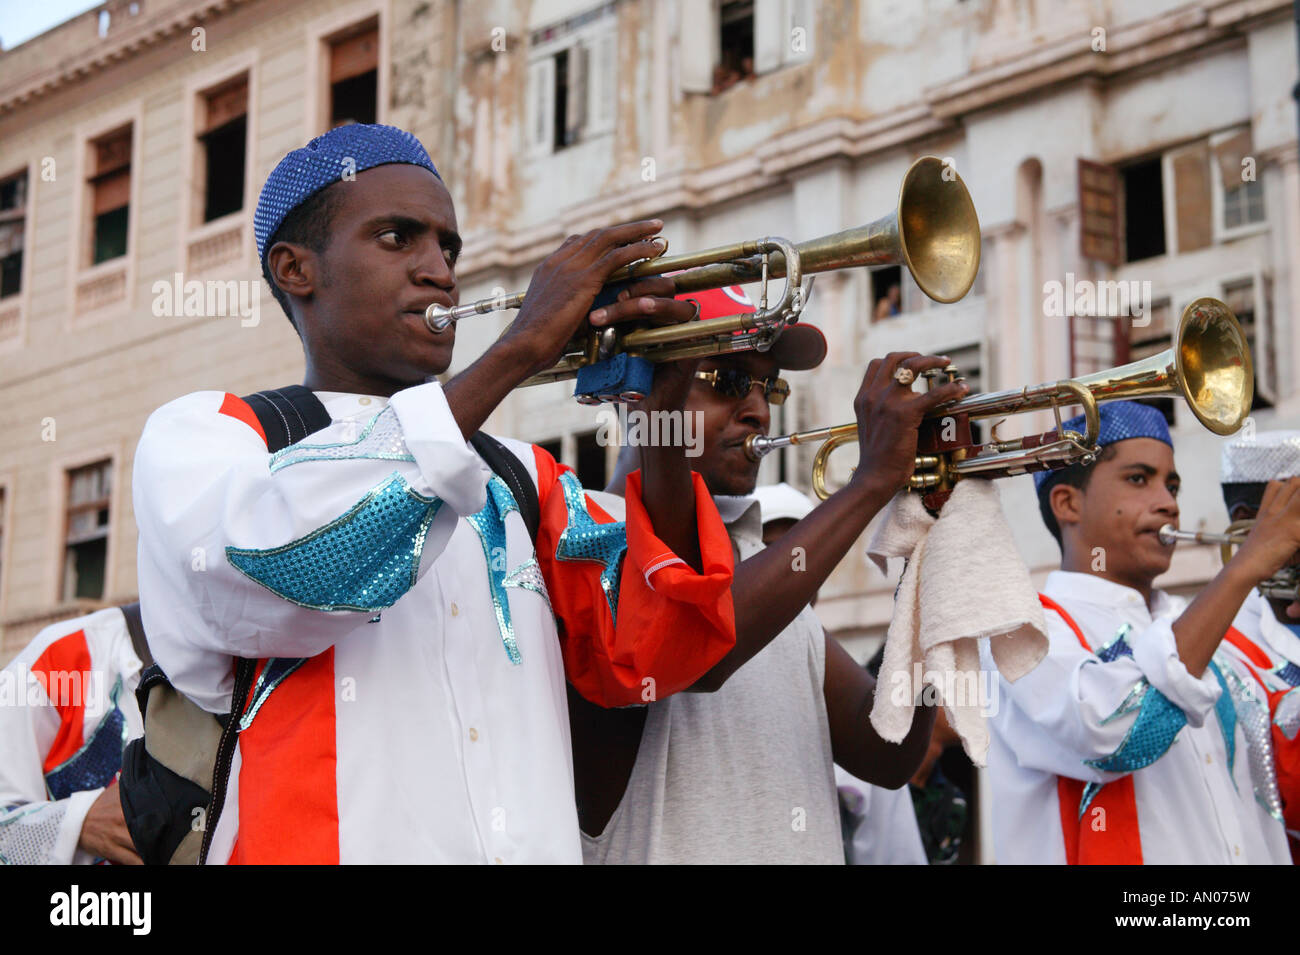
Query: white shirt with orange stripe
x=67, y=708
x=1074, y=716
x=410, y=700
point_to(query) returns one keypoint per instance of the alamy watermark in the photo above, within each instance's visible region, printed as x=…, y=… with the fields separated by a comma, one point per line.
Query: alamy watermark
x=214, y=298
x=651, y=429
x=20, y=686
x=952, y=688
x=1101, y=299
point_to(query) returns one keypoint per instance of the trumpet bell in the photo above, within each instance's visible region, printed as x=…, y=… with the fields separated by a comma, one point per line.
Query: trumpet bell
x=938, y=230
x=1215, y=369
x=933, y=232
x=1209, y=367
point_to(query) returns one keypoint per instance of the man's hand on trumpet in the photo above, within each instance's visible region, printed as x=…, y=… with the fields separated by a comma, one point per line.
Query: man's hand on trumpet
x=564, y=288
x=889, y=413
x=559, y=299
x=1274, y=541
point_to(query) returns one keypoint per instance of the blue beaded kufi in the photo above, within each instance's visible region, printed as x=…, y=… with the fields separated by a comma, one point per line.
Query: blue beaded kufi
x=1120, y=420
x=344, y=150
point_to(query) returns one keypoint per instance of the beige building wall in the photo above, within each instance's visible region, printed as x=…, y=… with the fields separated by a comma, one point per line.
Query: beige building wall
x=1013, y=92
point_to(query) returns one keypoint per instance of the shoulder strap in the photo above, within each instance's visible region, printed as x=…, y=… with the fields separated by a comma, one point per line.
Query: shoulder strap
x=511, y=470
x=287, y=414
x=244, y=669
x=134, y=626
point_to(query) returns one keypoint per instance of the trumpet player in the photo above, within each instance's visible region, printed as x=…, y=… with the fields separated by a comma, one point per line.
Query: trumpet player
x=742, y=771
x=1264, y=641
x=1123, y=746
x=413, y=634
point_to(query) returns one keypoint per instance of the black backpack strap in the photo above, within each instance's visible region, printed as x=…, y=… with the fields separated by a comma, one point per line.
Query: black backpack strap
x=511, y=470
x=244, y=668
x=135, y=627
x=288, y=414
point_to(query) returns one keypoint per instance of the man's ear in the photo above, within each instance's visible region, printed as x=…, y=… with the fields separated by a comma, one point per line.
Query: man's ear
x=293, y=268
x=1067, y=504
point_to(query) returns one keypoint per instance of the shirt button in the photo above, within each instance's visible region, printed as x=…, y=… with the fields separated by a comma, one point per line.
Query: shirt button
x=498, y=861
x=473, y=735
x=365, y=401
x=1236, y=850
x=1208, y=759
x=455, y=611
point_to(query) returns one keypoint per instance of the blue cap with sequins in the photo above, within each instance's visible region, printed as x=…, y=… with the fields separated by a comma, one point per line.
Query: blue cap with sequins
x=343, y=151
x=1120, y=420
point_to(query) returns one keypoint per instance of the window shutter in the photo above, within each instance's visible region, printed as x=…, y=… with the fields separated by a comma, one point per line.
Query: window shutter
x=1193, y=202
x=576, y=113
x=1099, y=212
x=602, y=83
x=800, y=18
x=771, y=37
x=354, y=56
x=541, y=105
x=1229, y=154
x=224, y=105
x=698, y=44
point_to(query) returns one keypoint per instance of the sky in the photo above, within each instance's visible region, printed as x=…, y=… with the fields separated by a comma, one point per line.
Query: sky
x=21, y=20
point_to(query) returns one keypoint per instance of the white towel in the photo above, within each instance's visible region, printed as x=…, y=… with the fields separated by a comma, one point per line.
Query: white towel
x=964, y=582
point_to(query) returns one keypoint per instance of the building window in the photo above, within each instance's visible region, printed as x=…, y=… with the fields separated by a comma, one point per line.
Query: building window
x=13, y=214
x=736, y=44
x=86, y=542
x=572, y=81
x=1150, y=338
x=1243, y=205
x=1240, y=297
x=554, y=448
x=886, y=293
x=354, y=77
x=1144, y=210
x=223, y=142
x=590, y=465
x=110, y=183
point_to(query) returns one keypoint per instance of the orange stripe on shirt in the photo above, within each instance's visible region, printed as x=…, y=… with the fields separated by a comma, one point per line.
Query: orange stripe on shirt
x=288, y=777
x=1108, y=833
x=65, y=666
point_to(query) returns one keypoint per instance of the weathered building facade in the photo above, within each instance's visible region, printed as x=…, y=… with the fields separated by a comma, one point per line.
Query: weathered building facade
x=134, y=138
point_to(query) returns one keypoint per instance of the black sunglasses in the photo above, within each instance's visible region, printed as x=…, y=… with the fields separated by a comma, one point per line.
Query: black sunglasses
x=734, y=383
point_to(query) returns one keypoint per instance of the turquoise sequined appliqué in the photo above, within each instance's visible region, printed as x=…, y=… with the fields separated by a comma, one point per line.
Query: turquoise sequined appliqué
x=363, y=560
x=490, y=523
x=381, y=439
x=1252, y=715
x=585, y=539
x=1152, y=733
x=1227, y=714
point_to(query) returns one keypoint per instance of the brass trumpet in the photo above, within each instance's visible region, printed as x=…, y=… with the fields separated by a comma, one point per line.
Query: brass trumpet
x=1283, y=585
x=1209, y=367
x=933, y=231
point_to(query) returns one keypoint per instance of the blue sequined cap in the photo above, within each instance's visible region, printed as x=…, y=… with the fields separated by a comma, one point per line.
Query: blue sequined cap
x=343, y=151
x=1120, y=420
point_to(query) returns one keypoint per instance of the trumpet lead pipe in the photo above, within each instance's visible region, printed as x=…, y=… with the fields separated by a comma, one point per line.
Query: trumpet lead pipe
x=1172, y=535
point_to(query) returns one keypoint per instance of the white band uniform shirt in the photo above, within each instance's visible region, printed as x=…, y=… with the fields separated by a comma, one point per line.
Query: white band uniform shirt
x=1074, y=716
x=410, y=703
x=71, y=711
